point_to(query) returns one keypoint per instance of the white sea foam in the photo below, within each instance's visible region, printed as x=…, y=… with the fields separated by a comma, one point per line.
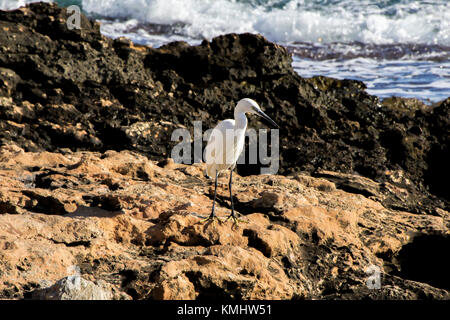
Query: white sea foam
x=406, y=21
x=425, y=80
x=285, y=21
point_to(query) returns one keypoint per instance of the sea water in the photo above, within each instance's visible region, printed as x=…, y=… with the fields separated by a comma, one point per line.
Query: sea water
x=397, y=47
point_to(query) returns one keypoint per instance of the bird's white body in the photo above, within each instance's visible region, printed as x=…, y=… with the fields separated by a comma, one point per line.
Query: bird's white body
x=225, y=145
x=227, y=139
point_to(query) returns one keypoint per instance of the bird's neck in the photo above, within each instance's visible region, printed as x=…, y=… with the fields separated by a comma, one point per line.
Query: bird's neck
x=240, y=120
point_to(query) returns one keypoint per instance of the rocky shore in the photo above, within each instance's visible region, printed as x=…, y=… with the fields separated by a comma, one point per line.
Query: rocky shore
x=91, y=206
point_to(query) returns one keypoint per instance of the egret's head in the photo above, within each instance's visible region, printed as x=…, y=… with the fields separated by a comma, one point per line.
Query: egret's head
x=248, y=105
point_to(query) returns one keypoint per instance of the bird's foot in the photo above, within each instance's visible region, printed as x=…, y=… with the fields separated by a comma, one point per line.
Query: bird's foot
x=212, y=219
x=236, y=219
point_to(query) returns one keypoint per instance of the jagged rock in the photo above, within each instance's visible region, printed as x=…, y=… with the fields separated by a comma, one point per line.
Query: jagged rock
x=300, y=236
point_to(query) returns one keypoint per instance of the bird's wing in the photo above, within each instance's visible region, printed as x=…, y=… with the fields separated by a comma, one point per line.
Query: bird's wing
x=225, y=143
x=210, y=151
x=220, y=148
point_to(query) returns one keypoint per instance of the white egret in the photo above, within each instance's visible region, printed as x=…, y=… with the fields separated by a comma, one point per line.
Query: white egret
x=226, y=144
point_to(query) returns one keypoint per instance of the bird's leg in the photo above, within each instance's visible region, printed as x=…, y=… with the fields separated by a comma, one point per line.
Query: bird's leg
x=231, y=194
x=213, y=216
x=232, y=215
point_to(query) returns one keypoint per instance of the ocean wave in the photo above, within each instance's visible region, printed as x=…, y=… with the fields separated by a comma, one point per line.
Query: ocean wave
x=283, y=21
x=319, y=21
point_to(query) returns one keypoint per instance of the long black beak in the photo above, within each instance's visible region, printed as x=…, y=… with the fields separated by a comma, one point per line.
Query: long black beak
x=265, y=116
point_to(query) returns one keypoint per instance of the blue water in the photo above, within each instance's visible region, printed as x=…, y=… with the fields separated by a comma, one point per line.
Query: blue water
x=397, y=47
